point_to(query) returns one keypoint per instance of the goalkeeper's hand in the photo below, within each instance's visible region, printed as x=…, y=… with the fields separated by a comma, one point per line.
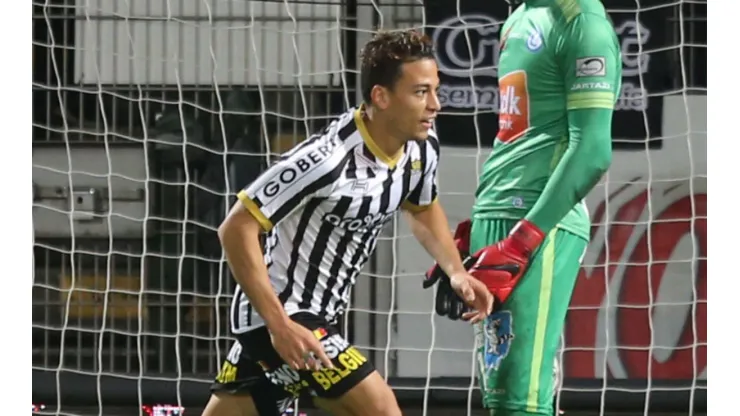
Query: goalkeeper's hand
x=500, y=266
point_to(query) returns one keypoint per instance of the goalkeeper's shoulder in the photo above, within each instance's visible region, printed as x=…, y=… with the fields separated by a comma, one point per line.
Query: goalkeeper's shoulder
x=586, y=34
x=573, y=8
x=588, y=18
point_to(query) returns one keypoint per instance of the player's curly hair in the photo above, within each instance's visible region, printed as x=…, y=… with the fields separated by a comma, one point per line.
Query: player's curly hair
x=383, y=55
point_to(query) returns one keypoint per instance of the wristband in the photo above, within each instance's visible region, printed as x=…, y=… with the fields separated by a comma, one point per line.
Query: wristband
x=526, y=237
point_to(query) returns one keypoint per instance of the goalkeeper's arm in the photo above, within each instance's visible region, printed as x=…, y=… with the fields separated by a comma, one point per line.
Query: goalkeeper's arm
x=586, y=159
x=588, y=41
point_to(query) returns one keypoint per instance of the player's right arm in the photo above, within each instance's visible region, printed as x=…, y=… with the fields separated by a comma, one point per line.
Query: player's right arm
x=240, y=238
x=306, y=172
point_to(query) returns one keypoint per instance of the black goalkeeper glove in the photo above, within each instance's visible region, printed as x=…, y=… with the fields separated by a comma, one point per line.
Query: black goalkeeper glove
x=447, y=303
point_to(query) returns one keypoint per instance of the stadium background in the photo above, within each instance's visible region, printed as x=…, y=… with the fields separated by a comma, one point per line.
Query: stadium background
x=156, y=112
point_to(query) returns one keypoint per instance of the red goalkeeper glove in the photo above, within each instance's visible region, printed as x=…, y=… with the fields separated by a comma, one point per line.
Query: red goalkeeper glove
x=501, y=265
x=447, y=302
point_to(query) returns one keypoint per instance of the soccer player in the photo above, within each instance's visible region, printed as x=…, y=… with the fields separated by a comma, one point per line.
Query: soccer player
x=322, y=206
x=559, y=75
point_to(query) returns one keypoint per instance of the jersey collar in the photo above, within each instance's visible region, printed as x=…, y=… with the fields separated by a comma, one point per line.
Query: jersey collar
x=379, y=154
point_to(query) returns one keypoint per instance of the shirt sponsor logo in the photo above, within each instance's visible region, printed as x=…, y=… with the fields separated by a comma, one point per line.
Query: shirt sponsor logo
x=513, y=120
x=369, y=222
x=296, y=168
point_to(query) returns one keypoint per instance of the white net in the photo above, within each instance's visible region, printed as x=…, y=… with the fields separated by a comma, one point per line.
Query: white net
x=148, y=116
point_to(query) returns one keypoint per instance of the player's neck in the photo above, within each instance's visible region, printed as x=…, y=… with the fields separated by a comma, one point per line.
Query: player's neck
x=381, y=134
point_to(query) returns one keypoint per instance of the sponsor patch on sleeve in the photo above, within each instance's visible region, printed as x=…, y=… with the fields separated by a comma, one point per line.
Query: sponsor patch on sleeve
x=591, y=66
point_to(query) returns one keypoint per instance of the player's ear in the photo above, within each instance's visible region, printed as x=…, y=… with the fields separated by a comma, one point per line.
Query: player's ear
x=380, y=97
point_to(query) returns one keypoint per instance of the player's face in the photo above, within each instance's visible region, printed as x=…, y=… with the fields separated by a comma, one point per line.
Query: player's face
x=413, y=103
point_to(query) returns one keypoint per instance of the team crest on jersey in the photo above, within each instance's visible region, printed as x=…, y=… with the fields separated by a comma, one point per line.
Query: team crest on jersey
x=534, y=40
x=497, y=336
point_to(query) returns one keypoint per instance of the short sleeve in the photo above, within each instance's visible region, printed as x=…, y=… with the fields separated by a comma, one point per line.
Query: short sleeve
x=307, y=171
x=588, y=53
x=425, y=192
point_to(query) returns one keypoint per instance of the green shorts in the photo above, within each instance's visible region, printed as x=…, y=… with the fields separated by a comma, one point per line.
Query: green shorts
x=517, y=344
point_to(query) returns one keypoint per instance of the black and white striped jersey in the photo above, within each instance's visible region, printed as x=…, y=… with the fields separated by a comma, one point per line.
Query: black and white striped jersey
x=323, y=204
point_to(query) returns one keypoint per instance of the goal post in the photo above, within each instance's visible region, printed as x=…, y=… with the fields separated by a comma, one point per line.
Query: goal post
x=149, y=116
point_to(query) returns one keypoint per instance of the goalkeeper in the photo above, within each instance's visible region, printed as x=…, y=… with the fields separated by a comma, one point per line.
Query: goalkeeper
x=559, y=75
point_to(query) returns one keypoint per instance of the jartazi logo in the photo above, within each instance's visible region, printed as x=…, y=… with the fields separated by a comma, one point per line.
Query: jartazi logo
x=592, y=66
x=591, y=86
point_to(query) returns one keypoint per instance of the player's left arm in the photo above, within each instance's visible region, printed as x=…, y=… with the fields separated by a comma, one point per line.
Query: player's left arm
x=432, y=230
x=425, y=194
x=426, y=216
x=458, y=291
x=591, y=63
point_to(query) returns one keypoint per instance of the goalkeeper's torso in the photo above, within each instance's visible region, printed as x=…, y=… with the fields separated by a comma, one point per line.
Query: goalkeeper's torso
x=533, y=124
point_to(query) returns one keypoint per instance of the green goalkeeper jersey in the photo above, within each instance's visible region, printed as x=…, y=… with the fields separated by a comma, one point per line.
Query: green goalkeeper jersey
x=559, y=76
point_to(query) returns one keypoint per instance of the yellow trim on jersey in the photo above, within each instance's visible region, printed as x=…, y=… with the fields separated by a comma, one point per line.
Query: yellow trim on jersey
x=560, y=149
x=591, y=99
x=376, y=151
x=569, y=8
x=256, y=213
x=540, y=328
x=411, y=207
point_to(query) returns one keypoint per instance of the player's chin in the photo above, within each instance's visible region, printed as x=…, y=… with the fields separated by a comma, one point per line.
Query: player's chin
x=422, y=134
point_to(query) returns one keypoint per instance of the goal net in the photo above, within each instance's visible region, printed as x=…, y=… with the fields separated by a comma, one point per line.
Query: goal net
x=149, y=116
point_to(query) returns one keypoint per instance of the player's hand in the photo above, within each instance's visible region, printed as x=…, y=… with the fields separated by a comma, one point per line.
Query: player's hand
x=447, y=302
x=299, y=347
x=500, y=266
x=462, y=239
x=476, y=296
